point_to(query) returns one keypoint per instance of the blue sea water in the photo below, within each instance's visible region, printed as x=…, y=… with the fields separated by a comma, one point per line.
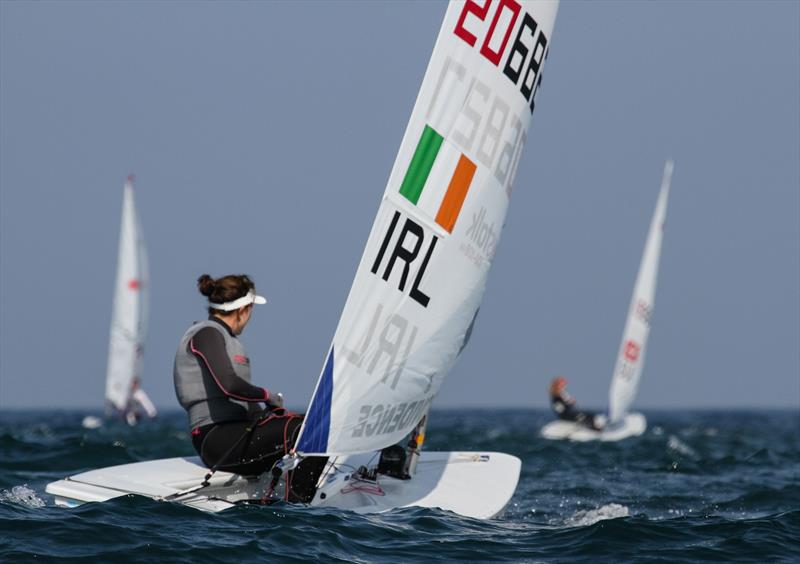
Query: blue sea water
x=703, y=485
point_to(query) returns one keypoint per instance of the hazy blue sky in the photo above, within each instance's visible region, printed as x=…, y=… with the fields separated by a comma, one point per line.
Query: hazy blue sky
x=262, y=136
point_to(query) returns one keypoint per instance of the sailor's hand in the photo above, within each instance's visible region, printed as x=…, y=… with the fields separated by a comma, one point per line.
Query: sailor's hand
x=275, y=401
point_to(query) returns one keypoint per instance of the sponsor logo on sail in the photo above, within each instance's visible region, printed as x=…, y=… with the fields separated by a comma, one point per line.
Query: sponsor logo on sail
x=482, y=239
x=482, y=233
x=632, y=349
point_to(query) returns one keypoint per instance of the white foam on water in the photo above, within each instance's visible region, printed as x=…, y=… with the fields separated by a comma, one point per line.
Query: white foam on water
x=592, y=516
x=91, y=422
x=22, y=495
x=674, y=443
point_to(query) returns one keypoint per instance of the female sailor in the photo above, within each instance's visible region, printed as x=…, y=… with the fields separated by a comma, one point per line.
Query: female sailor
x=565, y=407
x=230, y=430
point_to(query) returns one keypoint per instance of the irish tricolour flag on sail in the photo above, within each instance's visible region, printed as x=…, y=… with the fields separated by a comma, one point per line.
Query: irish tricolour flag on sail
x=425, y=183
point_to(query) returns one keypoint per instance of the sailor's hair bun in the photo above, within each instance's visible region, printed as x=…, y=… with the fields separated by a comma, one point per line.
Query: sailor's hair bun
x=206, y=285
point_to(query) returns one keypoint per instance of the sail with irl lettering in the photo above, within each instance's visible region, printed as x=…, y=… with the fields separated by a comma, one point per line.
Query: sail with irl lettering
x=421, y=278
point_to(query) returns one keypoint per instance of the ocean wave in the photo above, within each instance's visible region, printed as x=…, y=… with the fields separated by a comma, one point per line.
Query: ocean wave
x=733, y=497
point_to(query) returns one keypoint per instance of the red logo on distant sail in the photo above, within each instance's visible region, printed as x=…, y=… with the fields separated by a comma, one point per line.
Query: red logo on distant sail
x=241, y=359
x=632, y=351
x=133, y=284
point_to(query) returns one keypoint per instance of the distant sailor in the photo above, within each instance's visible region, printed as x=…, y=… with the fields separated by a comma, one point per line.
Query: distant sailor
x=230, y=429
x=138, y=402
x=565, y=406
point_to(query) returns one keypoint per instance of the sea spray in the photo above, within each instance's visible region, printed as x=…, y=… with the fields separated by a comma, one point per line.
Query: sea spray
x=22, y=495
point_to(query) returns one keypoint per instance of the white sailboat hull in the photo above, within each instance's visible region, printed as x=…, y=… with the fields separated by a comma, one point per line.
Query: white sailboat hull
x=473, y=484
x=633, y=425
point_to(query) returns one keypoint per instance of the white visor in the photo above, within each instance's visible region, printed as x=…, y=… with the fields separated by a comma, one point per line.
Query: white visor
x=250, y=298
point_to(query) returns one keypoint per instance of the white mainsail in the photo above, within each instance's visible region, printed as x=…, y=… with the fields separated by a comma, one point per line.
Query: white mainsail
x=422, y=275
x=129, y=318
x=630, y=359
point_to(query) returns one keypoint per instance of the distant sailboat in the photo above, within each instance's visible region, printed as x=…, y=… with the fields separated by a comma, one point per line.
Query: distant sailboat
x=123, y=395
x=630, y=358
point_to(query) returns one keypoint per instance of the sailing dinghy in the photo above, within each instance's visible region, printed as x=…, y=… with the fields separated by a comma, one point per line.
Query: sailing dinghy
x=129, y=316
x=415, y=296
x=630, y=358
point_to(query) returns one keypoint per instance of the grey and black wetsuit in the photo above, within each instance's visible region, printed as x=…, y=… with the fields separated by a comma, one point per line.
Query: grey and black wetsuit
x=212, y=382
x=565, y=409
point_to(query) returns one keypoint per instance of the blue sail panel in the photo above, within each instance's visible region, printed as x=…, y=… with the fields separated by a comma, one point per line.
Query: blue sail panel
x=318, y=418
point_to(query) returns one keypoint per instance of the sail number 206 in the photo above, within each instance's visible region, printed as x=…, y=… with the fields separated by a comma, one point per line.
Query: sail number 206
x=524, y=57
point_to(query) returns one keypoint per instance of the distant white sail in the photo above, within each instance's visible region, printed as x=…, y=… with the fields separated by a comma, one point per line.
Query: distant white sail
x=423, y=272
x=129, y=318
x=630, y=359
